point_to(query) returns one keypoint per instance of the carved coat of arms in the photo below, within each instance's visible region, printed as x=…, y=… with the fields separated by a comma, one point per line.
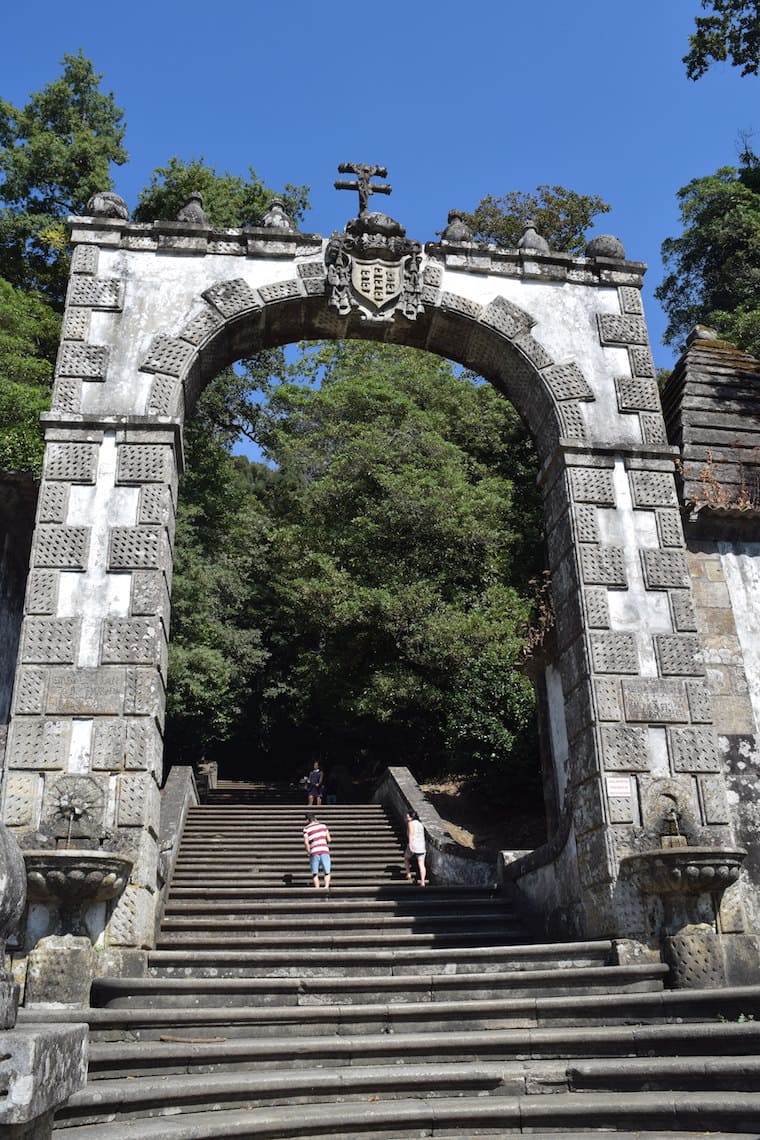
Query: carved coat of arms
x=374, y=268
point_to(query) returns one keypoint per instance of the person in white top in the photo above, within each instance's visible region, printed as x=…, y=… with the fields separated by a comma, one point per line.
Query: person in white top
x=415, y=847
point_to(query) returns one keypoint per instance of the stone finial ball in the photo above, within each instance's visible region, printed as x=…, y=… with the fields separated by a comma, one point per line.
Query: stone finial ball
x=606, y=245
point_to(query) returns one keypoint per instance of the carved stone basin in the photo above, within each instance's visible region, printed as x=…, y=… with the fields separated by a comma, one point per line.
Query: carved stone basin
x=684, y=870
x=73, y=879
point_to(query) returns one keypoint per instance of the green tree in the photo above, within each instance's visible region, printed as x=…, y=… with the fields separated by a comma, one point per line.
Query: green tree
x=55, y=153
x=228, y=199
x=29, y=331
x=730, y=32
x=714, y=266
x=562, y=216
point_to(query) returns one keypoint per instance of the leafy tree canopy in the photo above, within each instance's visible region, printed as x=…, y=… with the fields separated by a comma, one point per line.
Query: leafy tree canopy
x=731, y=31
x=29, y=331
x=228, y=199
x=55, y=153
x=714, y=266
x=562, y=216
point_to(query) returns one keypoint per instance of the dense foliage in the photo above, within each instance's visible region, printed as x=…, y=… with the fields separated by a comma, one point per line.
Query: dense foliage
x=714, y=266
x=560, y=215
x=29, y=331
x=731, y=31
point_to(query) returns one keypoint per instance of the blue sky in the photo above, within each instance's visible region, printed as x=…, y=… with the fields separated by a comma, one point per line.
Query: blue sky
x=458, y=101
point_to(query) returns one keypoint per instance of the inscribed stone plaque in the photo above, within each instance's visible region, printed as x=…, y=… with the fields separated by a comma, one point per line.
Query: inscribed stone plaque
x=603, y=566
x=624, y=747
x=655, y=701
x=679, y=654
x=618, y=786
x=592, y=485
x=74, y=462
x=614, y=653
x=86, y=692
x=665, y=569
x=131, y=641
x=693, y=750
x=50, y=641
x=652, y=489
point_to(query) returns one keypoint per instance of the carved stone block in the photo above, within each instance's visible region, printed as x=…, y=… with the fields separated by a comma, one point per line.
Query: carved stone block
x=462, y=305
x=144, y=695
x=131, y=641
x=150, y=595
x=279, y=291
x=586, y=527
x=313, y=275
x=603, y=566
x=624, y=748
x=61, y=547
x=85, y=259
x=572, y=425
x=642, y=363
x=144, y=463
x=86, y=361
x=665, y=569
x=669, y=528
x=533, y=351
x=679, y=654
x=682, y=609
x=156, y=507
x=104, y=293
x=38, y=743
x=712, y=794
x=144, y=746
x=630, y=300
x=73, y=462
x=135, y=548
x=138, y=802
x=567, y=382
x=655, y=701
x=88, y=793
x=659, y=796
x=596, y=859
x=432, y=274
x=589, y=810
x=166, y=396
x=53, y=503
x=132, y=922
x=107, y=747
x=637, y=395
x=200, y=328
x=622, y=330
x=50, y=641
x=67, y=395
x=620, y=809
x=653, y=428
x=76, y=324
x=614, y=653
x=607, y=698
x=42, y=592
x=506, y=318
x=169, y=355
x=21, y=802
x=29, y=690
x=86, y=692
x=592, y=485
x=700, y=702
x=232, y=298
x=693, y=750
x=652, y=489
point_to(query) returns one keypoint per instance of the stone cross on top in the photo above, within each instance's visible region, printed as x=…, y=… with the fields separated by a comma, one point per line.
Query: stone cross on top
x=363, y=173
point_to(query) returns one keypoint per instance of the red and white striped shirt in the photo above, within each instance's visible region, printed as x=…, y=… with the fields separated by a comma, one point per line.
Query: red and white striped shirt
x=317, y=836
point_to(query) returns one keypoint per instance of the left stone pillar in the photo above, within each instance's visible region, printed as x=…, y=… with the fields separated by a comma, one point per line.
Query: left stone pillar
x=84, y=756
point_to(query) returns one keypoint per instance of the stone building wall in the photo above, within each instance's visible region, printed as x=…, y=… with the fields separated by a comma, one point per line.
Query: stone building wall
x=18, y=494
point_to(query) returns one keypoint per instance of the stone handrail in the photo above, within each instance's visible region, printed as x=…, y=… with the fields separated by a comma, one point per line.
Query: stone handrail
x=179, y=793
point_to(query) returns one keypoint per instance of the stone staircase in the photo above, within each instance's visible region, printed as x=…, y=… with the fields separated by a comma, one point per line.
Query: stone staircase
x=383, y=1009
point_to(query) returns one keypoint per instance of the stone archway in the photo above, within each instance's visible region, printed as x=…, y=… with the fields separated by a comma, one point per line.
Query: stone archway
x=153, y=312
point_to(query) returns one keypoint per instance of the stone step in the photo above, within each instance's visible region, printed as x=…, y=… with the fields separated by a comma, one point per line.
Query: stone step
x=242, y=936
x=427, y=904
x=189, y=1052
x=241, y=917
x=390, y=893
x=187, y=993
x=377, y=963
x=574, y=1114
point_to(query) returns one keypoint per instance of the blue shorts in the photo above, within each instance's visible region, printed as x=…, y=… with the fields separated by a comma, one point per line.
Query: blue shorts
x=316, y=860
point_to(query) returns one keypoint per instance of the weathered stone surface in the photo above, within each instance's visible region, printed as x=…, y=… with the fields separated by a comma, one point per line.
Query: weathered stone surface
x=136, y=548
x=74, y=462
x=603, y=565
x=652, y=489
x=132, y=921
x=38, y=743
x=97, y=293
x=622, y=330
x=145, y=463
x=624, y=748
x=138, y=802
x=85, y=692
x=131, y=641
x=597, y=608
x=22, y=796
x=655, y=701
x=61, y=547
x=693, y=750
x=50, y=641
x=168, y=355
x=60, y=969
x=41, y=1067
x=30, y=690
x=85, y=361
x=679, y=654
x=614, y=653
x=636, y=395
x=232, y=298
x=665, y=569
x=592, y=485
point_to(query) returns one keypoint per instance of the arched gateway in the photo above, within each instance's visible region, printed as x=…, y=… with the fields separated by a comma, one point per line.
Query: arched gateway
x=152, y=314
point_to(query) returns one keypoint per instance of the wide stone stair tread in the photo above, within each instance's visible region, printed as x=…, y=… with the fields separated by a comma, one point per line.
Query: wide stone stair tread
x=462, y=1116
x=185, y=1053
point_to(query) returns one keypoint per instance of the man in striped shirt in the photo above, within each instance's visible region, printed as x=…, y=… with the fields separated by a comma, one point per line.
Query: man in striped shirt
x=316, y=840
